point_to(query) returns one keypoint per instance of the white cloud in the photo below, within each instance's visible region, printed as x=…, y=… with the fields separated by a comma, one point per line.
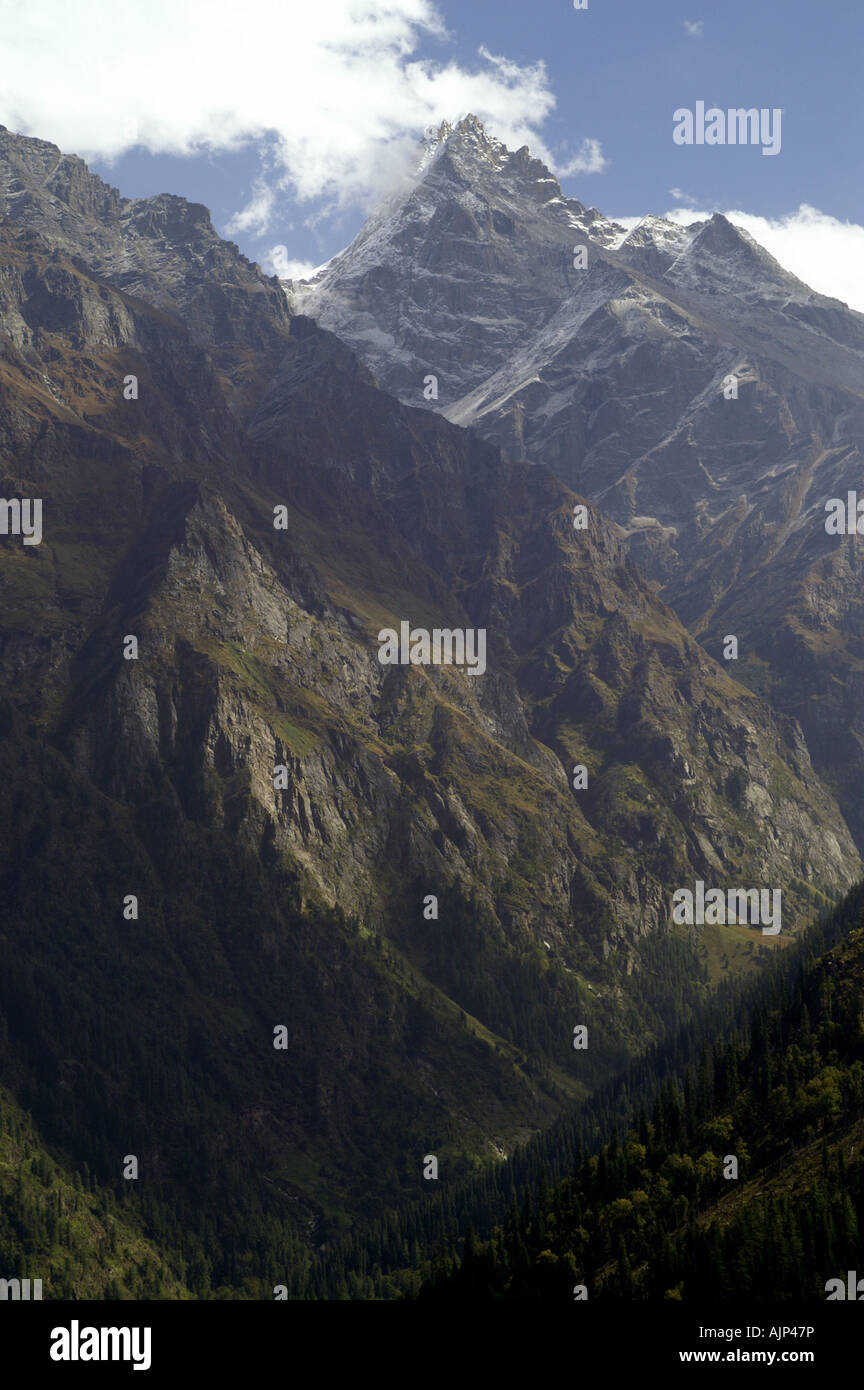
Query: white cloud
x=694, y=29
x=824, y=252
x=335, y=91
x=278, y=262
x=255, y=217
x=680, y=196
x=589, y=160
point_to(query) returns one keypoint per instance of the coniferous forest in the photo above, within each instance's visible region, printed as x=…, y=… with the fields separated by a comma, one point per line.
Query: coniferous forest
x=626, y=1195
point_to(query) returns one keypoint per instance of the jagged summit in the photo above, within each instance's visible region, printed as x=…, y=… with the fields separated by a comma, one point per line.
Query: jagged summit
x=468, y=143
x=469, y=131
x=462, y=146
x=459, y=267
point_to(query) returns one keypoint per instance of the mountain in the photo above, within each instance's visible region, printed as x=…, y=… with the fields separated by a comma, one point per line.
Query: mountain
x=709, y=403
x=225, y=820
x=453, y=273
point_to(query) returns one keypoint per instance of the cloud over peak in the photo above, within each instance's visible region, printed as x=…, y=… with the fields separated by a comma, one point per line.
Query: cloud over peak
x=334, y=95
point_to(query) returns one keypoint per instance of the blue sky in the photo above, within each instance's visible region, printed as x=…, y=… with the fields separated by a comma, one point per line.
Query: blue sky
x=289, y=125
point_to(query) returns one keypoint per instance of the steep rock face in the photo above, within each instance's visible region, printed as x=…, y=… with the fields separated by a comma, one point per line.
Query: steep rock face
x=550, y=598
x=154, y=777
x=707, y=401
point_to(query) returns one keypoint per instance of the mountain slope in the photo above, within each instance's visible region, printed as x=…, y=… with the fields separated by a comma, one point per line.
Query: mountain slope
x=301, y=905
x=61, y=1228
x=660, y=1213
